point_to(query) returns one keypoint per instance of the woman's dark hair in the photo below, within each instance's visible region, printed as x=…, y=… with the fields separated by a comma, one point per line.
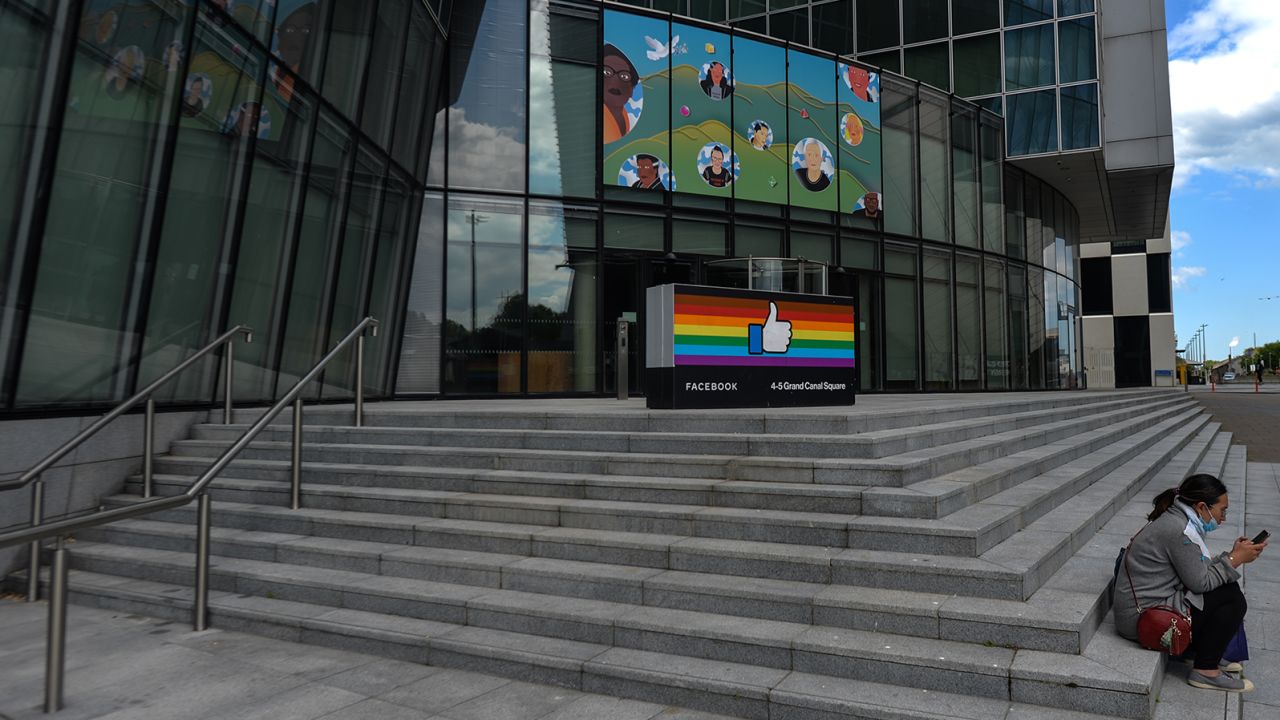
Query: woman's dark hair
x=611, y=49
x=1198, y=488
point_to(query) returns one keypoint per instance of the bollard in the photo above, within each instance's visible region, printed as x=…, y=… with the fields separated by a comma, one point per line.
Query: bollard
x=623, y=381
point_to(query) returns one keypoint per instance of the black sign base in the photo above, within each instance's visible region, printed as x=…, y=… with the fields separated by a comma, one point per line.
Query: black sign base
x=741, y=387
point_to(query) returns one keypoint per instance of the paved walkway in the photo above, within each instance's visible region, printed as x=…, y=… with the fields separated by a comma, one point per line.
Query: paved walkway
x=126, y=667
x=1254, y=418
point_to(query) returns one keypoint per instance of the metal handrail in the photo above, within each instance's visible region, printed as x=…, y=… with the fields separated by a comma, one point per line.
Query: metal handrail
x=60, y=529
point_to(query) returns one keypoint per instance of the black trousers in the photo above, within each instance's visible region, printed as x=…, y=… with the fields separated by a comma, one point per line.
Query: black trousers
x=1213, y=627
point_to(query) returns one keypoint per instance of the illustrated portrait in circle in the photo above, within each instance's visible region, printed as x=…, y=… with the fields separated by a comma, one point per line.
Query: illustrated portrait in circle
x=717, y=165
x=813, y=165
x=869, y=205
x=646, y=172
x=760, y=134
x=126, y=66
x=623, y=94
x=715, y=81
x=290, y=43
x=172, y=57
x=864, y=83
x=107, y=25
x=196, y=94
x=249, y=120
x=851, y=129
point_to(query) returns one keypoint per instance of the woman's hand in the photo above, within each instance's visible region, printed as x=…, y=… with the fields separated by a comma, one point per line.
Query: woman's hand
x=1245, y=551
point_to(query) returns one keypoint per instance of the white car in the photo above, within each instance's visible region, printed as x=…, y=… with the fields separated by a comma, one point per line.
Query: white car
x=1228, y=377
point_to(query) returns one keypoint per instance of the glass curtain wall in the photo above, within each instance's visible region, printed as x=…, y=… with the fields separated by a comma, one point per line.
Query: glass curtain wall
x=200, y=165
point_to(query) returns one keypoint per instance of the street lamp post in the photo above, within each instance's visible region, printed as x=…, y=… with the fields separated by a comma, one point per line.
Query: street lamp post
x=473, y=220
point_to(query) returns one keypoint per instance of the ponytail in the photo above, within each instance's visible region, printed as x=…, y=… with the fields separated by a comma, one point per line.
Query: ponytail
x=1162, y=503
x=1198, y=488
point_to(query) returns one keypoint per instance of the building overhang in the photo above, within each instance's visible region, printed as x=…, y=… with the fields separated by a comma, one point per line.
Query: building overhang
x=1113, y=204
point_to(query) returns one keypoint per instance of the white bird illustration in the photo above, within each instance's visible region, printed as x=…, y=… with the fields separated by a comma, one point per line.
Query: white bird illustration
x=658, y=49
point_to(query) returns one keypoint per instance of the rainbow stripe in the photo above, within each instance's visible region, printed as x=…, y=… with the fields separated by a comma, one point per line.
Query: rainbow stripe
x=712, y=330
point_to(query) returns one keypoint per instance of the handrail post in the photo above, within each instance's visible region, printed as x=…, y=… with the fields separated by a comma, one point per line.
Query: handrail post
x=295, y=465
x=201, y=604
x=37, y=518
x=148, y=446
x=228, y=379
x=56, y=643
x=360, y=380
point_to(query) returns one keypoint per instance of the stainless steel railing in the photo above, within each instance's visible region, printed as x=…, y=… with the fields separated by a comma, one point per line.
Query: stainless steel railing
x=56, y=640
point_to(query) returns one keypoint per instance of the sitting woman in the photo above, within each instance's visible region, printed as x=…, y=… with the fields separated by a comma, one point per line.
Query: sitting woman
x=1169, y=564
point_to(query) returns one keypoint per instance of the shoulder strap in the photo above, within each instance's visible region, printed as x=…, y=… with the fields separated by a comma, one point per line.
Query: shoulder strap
x=1127, y=552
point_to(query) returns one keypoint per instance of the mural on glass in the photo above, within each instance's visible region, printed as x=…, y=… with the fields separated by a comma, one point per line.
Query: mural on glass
x=760, y=121
x=635, y=70
x=858, y=90
x=702, y=87
x=812, y=130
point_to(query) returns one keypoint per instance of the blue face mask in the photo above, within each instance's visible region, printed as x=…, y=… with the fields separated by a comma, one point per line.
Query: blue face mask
x=1207, y=527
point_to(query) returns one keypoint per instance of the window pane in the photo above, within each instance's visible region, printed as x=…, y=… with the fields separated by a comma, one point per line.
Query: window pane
x=973, y=16
x=923, y=20
x=420, y=348
x=992, y=145
x=636, y=232
x=22, y=41
x=699, y=238
x=889, y=60
x=487, y=118
x=978, y=65
x=738, y=8
x=938, y=352
x=901, y=322
x=483, y=332
x=253, y=15
x=1080, y=117
x=997, y=333
x=935, y=179
x=833, y=27
x=877, y=25
x=400, y=210
x=1015, y=220
x=1028, y=57
x=898, y=103
x=1077, y=55
x=1035, y=328
x=964, y=174
x=792, y=25
x=1074, y=7
x=1017, y=327
x=757, y=241
x=348, y=54
x=968, y=323
x=930, y=64
x=707, y=9
x=812, y=246
x=1032, y=123
x=315, y=258
x=298, y=41
x=859, y=253
x=562, y=300
x=1018, y=12
x=271, y=222
x=382, y=90
x=562, y=151
x=120, y=91
x=994, y=104
x=416, y=89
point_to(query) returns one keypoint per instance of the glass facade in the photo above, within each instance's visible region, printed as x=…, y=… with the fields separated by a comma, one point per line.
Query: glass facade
x=175, y=169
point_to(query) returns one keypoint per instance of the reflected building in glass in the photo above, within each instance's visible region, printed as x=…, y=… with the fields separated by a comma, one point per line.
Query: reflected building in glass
x=172, y=168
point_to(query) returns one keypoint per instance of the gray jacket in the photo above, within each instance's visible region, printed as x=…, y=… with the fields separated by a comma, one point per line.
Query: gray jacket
x=1166, y=566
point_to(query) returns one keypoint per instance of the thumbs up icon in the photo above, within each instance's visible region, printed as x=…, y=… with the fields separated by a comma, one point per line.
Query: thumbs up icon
x=774, y=336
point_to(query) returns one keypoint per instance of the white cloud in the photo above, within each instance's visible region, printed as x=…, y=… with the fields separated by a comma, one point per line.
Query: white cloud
x=1181, y=275
x=1179, y=239
x=1225, y=91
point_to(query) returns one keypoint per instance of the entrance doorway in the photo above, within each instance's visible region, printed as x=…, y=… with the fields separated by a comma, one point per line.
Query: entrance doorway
x=626, y=277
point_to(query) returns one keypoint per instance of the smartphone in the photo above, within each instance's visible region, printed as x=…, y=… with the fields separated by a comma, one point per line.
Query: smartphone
x=1262, y=537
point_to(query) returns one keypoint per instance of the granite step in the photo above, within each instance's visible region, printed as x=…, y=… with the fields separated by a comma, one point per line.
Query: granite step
x=742, y=690
x=871, y=444
x=894, y=471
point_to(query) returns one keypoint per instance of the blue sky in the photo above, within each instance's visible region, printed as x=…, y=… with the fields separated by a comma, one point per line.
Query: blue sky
x=1224, y=75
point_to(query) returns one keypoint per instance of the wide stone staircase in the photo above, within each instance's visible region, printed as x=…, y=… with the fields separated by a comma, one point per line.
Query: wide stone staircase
x=910, y=557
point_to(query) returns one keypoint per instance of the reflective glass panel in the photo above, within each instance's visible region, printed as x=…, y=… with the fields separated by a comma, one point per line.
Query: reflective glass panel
x=1077, y=53
x=977, y=65
x=420, y=348
x=1080, y=116
x=1074, y=7
x=890, y=60
x=964, y=174
x=1028, y=57
x=877, y=25
x=1032, y=123
x=1018, y=12
x=382, y=82
x=487, y=81
x=997, y=331
x=930, y=64
x=348, y=54
x=898, y=107
x=901, y=320
x=991, y=143
x=939, y=357
x=935, y=178
x=483, y=329
x=1018, y=320
x=969, y=16
x=562, y=300
x=699, y=238
x=968, y=323
x=923, y=20
x=792, y=25
x=833, y=27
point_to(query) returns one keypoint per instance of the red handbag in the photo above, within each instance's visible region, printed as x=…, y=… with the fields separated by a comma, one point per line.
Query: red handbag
x=1159, y=627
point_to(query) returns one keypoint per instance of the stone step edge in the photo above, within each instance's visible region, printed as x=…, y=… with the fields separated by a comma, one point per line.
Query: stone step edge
x=1052, y=621
x=869, y=439
x=927, y=499
x=914, y=465
x=559, y=661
